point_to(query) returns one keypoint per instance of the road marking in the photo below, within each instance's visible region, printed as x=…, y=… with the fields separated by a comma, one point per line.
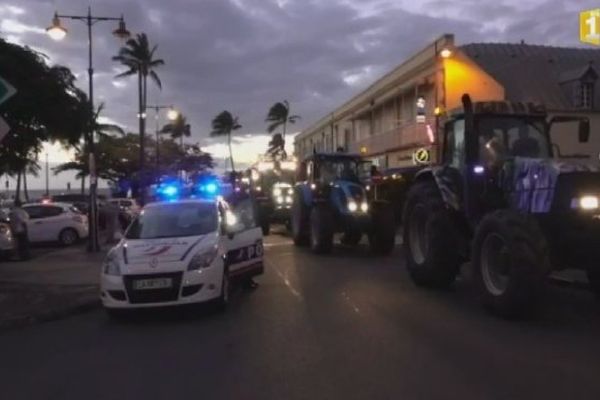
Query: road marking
x=285, y=280
x=351, y=303
x=277, y=244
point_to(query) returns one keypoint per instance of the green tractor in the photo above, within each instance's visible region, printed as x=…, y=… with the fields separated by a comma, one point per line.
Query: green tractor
x=500, y=199
x=330, y=197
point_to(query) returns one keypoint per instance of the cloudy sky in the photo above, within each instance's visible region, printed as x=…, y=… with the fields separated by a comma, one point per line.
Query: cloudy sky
x=244, y=55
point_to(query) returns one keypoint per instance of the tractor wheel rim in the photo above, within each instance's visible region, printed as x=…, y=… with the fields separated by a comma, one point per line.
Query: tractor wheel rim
x=495, y=264
x=418, y=237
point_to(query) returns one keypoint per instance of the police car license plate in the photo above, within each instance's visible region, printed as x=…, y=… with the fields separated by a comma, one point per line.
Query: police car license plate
x=148, y=284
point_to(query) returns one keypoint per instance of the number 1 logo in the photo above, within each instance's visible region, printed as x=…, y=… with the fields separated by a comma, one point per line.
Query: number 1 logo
x=589, y=26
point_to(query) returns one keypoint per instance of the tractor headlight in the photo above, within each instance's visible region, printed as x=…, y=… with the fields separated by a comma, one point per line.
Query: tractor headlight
x=203, y=260
x=111, y=266
x=586, y=202
x=277, y=191
x=352, y=206
x=289, y=199
x=364, y=207
x=279, y=199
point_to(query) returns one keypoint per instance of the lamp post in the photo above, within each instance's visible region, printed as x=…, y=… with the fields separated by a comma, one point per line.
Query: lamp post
x=172, y=115
x=57, y=32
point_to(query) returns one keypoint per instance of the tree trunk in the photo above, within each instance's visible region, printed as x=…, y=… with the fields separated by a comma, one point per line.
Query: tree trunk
x=283, y=139
x=82, y=184
x=25, y=191
x=230, y=152
x=18, y=189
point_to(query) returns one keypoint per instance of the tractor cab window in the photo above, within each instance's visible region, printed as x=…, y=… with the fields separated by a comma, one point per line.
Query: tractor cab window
x=455, y=143
x=343, y=169
x=502, y=138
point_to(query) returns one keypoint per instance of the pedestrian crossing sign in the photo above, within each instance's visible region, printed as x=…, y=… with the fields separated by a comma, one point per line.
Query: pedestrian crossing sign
x=589, y=26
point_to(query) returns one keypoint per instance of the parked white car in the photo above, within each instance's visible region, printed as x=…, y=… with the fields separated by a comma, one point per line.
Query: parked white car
x=181, y=252
x=7, y=242
x=55, y=222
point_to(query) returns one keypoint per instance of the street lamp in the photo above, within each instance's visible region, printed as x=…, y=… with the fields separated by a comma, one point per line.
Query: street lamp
x=57, y=32
x=172, y=115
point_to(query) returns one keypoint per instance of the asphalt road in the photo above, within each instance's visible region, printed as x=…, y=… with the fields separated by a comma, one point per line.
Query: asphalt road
x=346, y=326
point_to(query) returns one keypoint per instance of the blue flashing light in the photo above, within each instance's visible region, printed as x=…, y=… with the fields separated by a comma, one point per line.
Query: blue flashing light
x=168, y=191
x=211, y=188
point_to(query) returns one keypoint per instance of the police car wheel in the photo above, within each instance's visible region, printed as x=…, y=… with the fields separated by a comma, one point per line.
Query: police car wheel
x=223, y=300
x=68, y=236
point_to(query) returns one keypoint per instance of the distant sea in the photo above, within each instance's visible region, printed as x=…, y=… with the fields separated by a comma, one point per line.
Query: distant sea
x=35, y=194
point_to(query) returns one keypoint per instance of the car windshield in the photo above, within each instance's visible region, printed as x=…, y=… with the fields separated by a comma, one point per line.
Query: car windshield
x=503, y=138
x=174, y=220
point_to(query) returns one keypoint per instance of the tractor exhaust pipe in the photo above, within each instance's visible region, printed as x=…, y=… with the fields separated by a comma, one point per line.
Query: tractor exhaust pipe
x=468, y=110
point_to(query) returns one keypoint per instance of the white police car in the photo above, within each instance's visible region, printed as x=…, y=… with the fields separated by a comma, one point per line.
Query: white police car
x=182, y=252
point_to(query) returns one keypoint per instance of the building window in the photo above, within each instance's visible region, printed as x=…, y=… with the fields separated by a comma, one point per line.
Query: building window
x=585, y=98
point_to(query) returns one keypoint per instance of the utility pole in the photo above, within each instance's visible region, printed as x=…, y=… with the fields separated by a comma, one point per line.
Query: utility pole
x=47, y=177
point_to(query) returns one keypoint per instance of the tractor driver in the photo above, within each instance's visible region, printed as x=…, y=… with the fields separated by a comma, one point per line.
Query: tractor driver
x=493, y=151
x=525, y=145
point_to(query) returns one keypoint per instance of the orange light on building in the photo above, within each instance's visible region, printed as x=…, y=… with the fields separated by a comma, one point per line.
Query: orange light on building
x=363, y=150
x=437, y=110
x=446, y=53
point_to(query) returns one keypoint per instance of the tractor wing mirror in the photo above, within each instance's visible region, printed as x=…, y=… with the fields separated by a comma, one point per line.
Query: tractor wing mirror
x=584, y=130
x=584, y=125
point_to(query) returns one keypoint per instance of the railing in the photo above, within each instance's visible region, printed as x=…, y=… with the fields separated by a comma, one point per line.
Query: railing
x=404, y=136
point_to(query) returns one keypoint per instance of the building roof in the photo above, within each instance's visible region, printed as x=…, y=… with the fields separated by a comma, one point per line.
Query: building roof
x=532, y=72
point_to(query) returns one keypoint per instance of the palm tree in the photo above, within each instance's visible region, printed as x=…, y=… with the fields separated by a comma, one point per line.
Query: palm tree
x=105, y=129
x=279, y=115
x=178, y=129
x=138, y=57
x=222, y=125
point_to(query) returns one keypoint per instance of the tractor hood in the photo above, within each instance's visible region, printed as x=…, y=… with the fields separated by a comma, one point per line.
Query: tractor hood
x=537, y=186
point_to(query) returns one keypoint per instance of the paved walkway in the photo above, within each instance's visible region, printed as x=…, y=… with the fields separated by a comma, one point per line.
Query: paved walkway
x=56, y=282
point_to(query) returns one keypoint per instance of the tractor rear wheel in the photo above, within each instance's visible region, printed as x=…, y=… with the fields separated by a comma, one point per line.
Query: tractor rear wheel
x=382, y=235
x=430, y=238
x=321, y=229
x=510, y=262
x=593, y=275
x=299, y=220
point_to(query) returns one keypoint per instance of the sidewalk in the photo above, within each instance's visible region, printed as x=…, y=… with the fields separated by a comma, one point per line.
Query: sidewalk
x=56, y=282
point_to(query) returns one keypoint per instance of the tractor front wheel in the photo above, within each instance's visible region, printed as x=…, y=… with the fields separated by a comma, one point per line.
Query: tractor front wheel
x=321, y=229
x=510, y=262
x=299, y=220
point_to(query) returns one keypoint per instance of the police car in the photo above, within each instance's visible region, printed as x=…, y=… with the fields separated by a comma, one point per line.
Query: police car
x=181, y=252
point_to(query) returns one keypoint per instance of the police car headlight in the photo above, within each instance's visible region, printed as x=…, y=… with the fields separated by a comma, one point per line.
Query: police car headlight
x=586, y=202
x=277, y=191
x=203, y=260
x=111, y=266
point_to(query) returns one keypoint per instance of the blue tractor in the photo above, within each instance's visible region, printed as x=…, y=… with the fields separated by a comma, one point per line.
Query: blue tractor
x=330, y=197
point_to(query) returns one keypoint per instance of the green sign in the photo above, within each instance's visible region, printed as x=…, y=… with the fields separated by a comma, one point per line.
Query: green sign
x=6, y=90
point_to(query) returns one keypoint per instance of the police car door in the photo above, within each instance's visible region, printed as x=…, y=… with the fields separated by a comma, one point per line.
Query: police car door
x=245, y=248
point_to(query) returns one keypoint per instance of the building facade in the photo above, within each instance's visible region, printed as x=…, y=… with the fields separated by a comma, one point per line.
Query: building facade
x=398, y=114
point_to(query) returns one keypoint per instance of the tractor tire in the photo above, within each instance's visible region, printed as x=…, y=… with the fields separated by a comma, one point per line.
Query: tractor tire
x=351, y=237
x=382, y=237
x=593, y=275
x=430, y=238
x=321, y=229
x=510, y=263
x=265, y=226
x=299, y=220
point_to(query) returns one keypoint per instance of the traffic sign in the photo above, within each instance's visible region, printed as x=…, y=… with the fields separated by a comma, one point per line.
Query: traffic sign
x=6, y=90
x=422, y=156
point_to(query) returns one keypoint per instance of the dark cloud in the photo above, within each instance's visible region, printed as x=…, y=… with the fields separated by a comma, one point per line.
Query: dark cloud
x=243, y=55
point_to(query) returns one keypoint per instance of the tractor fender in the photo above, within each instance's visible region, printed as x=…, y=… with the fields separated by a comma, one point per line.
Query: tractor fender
x=447, y=180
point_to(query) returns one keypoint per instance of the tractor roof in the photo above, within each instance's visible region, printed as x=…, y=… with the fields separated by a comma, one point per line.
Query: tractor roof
x=334, y=156
x=505, y=108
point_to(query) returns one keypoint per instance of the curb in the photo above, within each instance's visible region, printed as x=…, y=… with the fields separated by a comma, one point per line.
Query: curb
x=50, y=315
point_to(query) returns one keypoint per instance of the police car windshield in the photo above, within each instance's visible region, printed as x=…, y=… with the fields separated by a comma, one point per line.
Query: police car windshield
x=174, y=220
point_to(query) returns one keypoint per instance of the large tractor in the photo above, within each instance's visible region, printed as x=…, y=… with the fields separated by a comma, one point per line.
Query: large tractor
x=499, y=198
x=329, y=197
